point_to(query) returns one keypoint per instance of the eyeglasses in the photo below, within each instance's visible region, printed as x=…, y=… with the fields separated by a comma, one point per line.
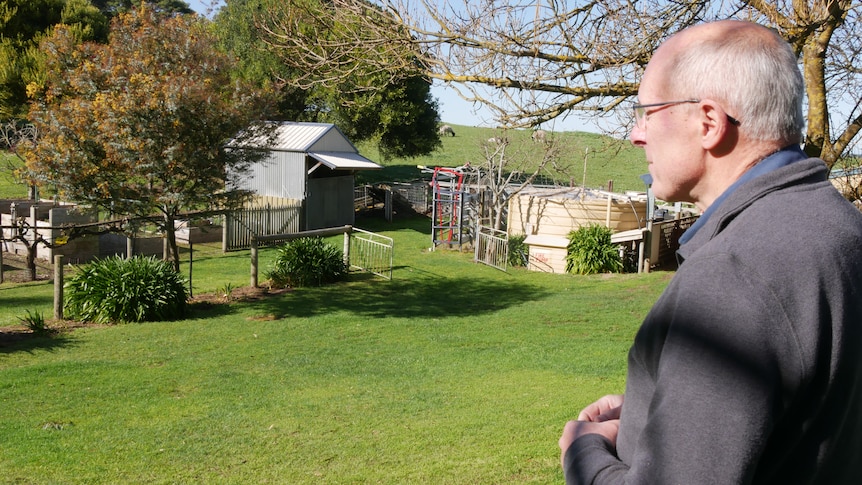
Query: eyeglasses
x=641, y=111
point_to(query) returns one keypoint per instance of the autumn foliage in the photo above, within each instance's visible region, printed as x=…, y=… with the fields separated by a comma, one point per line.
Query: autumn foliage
x=137, y=126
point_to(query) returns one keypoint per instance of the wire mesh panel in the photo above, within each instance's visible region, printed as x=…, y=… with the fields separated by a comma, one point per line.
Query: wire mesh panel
x=492, y=247
x=371, y=252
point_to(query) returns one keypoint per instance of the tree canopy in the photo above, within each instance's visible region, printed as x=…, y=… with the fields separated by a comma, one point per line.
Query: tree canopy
x=112, y=8
x=533, y=62
x=23, y=23
x=399, y=114
x=138, y=126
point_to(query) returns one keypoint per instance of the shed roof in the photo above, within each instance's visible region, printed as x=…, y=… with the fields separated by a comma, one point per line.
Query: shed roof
x=344, y=160
x=323, y=141
x=308, y=137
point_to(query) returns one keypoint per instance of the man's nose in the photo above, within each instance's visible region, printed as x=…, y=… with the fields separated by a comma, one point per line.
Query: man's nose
x=637, y=136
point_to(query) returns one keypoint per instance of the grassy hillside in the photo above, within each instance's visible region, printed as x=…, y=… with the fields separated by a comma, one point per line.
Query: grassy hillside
x=607, y=158
x=8, y=188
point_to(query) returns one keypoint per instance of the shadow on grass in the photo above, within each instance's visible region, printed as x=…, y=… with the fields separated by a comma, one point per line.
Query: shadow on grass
x=426, y=297
x=26, y=341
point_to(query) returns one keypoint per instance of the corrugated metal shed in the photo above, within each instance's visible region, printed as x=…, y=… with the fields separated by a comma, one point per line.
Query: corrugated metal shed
x=312, y=163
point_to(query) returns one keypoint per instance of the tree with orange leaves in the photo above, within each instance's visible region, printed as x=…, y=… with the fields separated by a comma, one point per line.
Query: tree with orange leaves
x=138, y=126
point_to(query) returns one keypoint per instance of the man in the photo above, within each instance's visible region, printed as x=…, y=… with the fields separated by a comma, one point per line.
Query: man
x=748, y=369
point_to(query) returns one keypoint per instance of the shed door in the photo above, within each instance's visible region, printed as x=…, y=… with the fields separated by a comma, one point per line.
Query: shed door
x=329, y=202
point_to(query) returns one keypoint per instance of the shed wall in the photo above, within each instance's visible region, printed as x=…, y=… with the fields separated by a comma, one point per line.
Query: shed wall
x=329, y=202
x=332, y=141
x=529, y=214
x=282, y=175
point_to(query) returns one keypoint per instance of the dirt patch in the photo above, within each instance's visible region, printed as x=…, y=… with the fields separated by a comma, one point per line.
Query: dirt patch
x=239, y=294
x=14, y=335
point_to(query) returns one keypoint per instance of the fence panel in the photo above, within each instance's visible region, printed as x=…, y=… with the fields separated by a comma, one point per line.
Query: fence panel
x=668, y=233
x=242, y=225
x=371, y=252
x=492, y=247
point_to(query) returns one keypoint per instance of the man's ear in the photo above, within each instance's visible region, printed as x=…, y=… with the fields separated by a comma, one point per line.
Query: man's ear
x=717, y=132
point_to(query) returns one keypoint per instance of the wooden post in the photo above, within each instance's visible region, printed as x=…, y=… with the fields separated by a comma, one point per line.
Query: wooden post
x=1, y=255
x=387, y=205
x=58, y=286
x=191, y=262
x=346, y=253
x=641, y=254
x=608, y=212
x=254, y=262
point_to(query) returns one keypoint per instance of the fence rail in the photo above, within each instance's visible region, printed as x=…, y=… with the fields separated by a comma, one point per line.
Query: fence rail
x=492, y=247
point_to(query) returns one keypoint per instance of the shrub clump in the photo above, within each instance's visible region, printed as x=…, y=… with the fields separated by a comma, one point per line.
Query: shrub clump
x=307, y=261
x=517, y=250
x=140, y=289
x=591, y=251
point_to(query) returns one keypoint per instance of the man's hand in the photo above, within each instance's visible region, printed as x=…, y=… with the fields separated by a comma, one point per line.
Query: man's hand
x=605, y=409
x=601, y=417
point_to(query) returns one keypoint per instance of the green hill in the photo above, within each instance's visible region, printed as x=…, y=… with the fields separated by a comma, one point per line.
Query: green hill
x=607, y=158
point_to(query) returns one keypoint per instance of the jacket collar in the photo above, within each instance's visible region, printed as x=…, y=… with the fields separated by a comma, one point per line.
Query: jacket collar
x=787, y=167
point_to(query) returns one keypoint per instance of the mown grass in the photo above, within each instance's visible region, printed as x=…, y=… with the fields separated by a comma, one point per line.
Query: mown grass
x=451, y=373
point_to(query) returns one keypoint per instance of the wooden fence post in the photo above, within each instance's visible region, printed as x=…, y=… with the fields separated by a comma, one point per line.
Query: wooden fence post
x=254, y=262
x=58, y=286
x=346, y=252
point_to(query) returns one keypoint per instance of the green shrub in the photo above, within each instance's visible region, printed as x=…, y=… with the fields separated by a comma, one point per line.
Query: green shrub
x=35, y=322
x=307, y=262
x=518, y=250
x=126, y=290
x=590, y=251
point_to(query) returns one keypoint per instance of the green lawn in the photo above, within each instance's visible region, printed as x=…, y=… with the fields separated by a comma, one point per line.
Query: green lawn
x=452, y=373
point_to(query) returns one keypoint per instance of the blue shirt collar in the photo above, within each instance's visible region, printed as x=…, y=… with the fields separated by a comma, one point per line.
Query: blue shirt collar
x=781, y=158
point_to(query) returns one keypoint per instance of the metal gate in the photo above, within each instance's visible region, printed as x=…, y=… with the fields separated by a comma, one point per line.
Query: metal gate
x=492, y=247
x=371, y=252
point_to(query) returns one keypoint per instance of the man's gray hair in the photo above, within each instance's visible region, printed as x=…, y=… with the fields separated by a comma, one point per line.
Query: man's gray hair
x=755, y=77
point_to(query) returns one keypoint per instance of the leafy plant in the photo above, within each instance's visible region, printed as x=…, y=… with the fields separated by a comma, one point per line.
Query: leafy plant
x=35, y=321
x=590, y=251
x=517, y=250
x=307, y=262
x=226, y=291
x=126, y=290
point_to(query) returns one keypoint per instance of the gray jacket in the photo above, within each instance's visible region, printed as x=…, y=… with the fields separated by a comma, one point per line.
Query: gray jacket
x=748, y=369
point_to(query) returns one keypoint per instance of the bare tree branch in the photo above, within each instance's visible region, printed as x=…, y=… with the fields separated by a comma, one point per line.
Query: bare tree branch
x=531, y=62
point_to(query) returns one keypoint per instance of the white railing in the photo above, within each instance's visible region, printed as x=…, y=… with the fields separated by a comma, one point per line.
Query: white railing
x=372, y=253
x=492, y=247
